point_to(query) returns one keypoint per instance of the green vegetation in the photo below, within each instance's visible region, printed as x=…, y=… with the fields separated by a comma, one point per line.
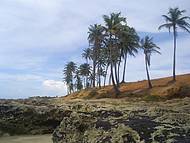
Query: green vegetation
x=148, y=47
x=69, y=71
x=139, y=115
x=154, y=98
x=175, y=20
x=110, y=45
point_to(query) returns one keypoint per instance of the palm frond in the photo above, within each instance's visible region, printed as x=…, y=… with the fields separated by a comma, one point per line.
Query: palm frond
x=184, y=28
x=167, y=25
x=167, y=18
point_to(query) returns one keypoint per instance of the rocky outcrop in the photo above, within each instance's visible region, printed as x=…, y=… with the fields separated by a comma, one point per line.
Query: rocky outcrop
x=98, y=121
x=17, y=118
x=127, y=123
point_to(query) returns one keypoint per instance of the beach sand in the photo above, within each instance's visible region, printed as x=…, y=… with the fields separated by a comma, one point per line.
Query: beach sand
x=27, y=139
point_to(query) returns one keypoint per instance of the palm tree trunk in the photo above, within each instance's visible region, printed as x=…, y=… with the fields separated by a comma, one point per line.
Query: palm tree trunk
x=91, y=83
x=117, y=92
x=118, y=70
x=174, y=56
x=86, y=81
x=67, y=89
x=99, y=78
x=110, y=79
x=148, y=76
x=99, y=81
x=124, y=68
x=105, y=75
x=94, y=73
x=116, y=78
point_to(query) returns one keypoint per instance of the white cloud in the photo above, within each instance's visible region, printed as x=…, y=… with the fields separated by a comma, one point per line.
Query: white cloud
x=64, y=23
x=61, y=25
x=38, y=36
x=56, y=86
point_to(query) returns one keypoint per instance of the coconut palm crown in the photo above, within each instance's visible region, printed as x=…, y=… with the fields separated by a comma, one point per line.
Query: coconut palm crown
x=148, y=47
x=175, y=20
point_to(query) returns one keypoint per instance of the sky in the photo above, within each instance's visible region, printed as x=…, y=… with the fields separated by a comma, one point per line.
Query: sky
x=37, y=38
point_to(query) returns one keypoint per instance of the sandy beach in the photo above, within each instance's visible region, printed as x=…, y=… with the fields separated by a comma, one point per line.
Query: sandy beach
x=26, y=139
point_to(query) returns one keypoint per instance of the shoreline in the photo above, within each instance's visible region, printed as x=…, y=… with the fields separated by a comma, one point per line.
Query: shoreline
x=47, y=138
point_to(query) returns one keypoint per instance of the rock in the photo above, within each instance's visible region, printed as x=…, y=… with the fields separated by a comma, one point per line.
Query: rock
x=85, y=128
x=99, y=121
x=28, y=119
x=152, y=122
x=1, y=133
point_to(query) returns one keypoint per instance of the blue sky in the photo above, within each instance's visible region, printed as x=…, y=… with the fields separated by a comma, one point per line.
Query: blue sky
x=37, y=37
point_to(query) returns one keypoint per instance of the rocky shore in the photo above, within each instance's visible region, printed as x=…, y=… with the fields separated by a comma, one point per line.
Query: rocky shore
x=98, y=121
x=30, y=116
x=125, y=122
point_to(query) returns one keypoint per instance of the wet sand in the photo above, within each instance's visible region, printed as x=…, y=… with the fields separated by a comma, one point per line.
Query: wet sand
x=27, y=139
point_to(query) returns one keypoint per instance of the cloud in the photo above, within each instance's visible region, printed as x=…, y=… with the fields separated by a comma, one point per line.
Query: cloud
x=63, y=24
x=56, y=86
x=37, y=37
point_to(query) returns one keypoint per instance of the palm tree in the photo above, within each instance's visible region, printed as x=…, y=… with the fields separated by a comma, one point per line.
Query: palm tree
x=95, y=37
x=69, y=72
x=129, y=45
x=101, y=65
x=67, y=79
x=112, y=23
x=85, y=71
x=148, y=47
x=105, y=62
x=87, y=54
x=174, y=20
x=78, y=83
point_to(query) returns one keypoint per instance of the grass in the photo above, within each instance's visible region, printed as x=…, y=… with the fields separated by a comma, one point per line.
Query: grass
x=154, y=98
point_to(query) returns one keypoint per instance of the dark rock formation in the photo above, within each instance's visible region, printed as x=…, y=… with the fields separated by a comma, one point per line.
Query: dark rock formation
x=18, y=118
x=98, y=121
x=146, y=123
